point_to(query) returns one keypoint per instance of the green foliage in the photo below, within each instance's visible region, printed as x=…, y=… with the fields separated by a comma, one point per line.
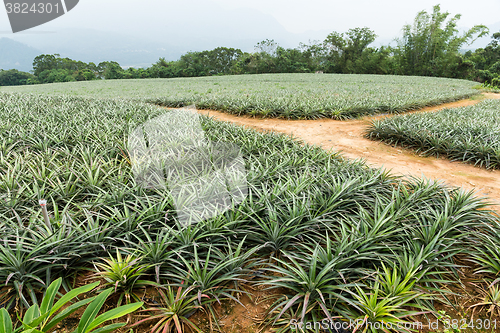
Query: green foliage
x=468, y=134
x=14, y=77
x=215, y=62
x=430, y=47
x=496, y=82
x=207, y=278
x=313, y=286
x=484, y=59
x=111, y=70
x=487, y=256
x=124, y=275
x=48, y=315
x=485, y=76
x=49, y=68
x=363, y=229
x=349, y=52
x=174, y=312
x=28, y=259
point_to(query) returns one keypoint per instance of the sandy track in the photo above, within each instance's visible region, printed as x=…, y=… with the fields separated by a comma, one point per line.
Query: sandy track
x=347, y=137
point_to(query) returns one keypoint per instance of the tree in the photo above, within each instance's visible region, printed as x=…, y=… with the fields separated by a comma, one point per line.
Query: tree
x=221, y=59
x=430, y=47
x=268, y=46
x=292, y=61
x=110, y=70
x=45, y=62
x=193, y=64
x=344, y=50
x=14, y=77
x=50, y=68
x=314, y=54
x=164, y=69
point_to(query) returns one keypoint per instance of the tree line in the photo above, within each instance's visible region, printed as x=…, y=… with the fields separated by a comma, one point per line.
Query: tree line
x=431, y=46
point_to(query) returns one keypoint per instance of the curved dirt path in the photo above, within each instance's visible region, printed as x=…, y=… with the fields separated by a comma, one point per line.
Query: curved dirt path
x=347, y=137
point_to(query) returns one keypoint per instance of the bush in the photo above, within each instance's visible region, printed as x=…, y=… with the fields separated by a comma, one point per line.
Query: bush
x=14, y=77
x=496, y=82
x=495, y=68
x=485, y=76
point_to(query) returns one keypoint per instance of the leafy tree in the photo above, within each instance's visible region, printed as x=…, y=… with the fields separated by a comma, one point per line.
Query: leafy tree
x=110, y=70
x=292, y=61
x=374, y=61
x=314, y=54
x=344, y=50
x=50, y=68
x=164, y=69
x=14, y=77
x=220, y=60
x=430, y=47
x=56, y=75
x=84, y=75
x=45, y=62
x=268, y=46
x=193, y=64
x=485, y=59
x=495, y=68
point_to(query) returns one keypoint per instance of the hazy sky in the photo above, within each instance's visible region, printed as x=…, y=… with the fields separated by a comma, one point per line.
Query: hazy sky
x=386, y=17
x=138, y=32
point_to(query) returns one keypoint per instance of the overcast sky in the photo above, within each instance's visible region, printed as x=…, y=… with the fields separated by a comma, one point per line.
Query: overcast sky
x=386, y=17
x=169, y=28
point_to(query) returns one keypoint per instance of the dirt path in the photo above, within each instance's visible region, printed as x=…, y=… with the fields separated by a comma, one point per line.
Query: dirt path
x=347, y=137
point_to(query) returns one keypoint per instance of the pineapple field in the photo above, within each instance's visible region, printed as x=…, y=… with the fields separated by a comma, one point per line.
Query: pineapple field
x=469, y=134
x=319, y=243
x=290, y=96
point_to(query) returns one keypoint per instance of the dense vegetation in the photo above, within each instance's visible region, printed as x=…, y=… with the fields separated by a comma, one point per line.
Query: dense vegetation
x=371, y=247
x=337, y=96
x=431, y=46
x=13, y=77
x=470, y=134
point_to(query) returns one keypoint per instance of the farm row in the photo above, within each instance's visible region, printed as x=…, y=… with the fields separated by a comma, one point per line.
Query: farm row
x=470, y=134
x=290, y=96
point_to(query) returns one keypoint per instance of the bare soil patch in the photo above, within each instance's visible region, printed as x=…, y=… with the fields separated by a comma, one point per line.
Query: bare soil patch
x=348, y=138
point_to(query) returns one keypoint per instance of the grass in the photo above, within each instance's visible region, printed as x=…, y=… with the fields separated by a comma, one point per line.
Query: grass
x=331, y=236
x=291, y=96
x=470, y=134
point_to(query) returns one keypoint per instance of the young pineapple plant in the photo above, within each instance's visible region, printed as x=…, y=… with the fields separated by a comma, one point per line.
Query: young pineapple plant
x=124, y=275
x=172, y=315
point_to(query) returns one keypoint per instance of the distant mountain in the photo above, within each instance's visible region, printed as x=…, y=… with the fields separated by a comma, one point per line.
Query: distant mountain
x=149, y=34
x=15, y=55
x=90, y=45
x=138, y=35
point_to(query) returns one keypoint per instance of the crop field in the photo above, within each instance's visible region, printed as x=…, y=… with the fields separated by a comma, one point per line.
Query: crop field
x=470, y=134
x=291, y=96
x=330, y=238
